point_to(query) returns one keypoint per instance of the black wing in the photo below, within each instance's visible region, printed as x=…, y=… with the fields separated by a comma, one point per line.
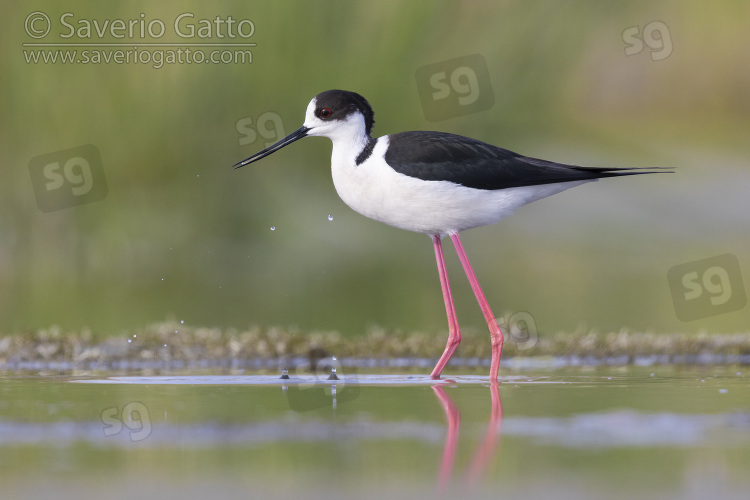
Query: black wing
x=439, y=156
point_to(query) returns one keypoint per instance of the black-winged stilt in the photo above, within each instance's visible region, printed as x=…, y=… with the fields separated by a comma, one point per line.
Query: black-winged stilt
x=434, y=183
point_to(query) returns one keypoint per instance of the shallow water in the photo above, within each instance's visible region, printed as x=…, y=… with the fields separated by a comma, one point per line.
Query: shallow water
x=653, y=432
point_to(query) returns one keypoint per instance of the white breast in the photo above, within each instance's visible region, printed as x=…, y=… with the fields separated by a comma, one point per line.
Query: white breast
x=377, y=191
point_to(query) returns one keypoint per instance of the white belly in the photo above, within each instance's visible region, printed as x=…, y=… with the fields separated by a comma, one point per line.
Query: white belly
x=377, y=191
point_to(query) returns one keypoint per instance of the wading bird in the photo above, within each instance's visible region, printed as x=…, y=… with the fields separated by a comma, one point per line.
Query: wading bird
x=434, y=183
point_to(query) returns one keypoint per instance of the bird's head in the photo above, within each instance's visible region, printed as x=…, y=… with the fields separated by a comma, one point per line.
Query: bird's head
x=336, y=114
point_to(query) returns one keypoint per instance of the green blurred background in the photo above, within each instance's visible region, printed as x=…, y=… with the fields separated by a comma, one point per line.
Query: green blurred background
x=181, y=235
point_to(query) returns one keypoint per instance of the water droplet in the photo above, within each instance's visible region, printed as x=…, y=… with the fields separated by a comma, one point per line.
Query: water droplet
x=273, y=228
x=330, y=217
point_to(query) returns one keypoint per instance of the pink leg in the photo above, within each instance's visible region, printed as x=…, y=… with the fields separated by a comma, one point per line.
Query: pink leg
x=454, y=334
x=496, y=336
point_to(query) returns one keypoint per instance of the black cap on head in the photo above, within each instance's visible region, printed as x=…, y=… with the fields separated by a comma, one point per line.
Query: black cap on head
x=342, y=103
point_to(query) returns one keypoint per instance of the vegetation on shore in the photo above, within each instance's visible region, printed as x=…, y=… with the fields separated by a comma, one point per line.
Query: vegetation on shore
x=174, y=342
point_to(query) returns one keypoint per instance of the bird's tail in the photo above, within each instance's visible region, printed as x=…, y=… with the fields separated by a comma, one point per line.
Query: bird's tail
x=600, y=172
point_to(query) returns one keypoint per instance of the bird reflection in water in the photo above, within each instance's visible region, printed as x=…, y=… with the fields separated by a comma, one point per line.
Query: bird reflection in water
x=487, y=447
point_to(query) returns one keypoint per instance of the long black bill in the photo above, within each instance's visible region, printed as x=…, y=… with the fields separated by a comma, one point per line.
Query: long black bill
x=297, y=134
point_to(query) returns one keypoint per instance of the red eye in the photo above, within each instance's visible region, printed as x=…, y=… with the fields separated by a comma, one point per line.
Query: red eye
x=325, y=113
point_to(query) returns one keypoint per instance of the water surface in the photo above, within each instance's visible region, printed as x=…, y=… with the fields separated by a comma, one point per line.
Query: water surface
x=651, y=432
